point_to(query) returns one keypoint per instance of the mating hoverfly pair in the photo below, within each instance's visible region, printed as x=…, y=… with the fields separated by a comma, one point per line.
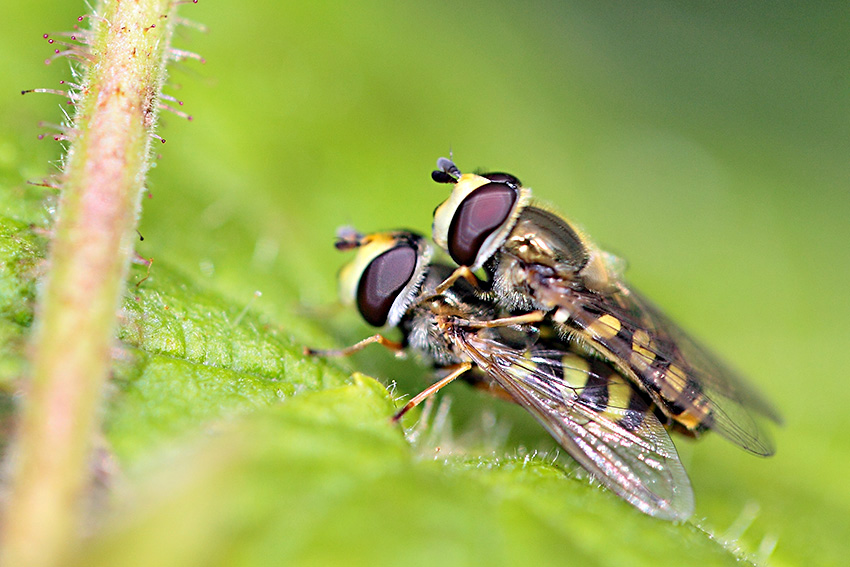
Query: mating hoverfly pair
x=554, y=328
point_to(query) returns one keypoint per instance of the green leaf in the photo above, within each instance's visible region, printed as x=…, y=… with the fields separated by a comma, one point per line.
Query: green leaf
x=326, y=480
x=192, y=357
x=216, y=470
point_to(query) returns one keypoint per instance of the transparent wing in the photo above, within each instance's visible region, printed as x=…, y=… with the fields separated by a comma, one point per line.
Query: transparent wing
x=689, y=383
x=605, y=425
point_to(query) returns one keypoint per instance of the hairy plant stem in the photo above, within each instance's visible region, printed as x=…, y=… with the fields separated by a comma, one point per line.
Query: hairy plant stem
x=102, y=184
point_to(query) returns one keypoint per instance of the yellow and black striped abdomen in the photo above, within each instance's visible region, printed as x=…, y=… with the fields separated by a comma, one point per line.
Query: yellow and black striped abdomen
x=650, y=359
x=589, y=381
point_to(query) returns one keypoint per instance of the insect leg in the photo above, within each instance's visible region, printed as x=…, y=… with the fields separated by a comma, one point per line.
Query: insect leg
x=524, y=319
x=347, y=351
x=459, y=369
x=460, y=272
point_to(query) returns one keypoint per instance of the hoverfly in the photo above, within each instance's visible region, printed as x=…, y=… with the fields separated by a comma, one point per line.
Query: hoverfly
x=602, y=421
x=537, y=260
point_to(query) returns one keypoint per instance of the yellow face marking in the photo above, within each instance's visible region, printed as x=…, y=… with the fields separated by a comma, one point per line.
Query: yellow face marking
x=606, y=327
x=444, y=214
x=372, y=246
x=642, y=356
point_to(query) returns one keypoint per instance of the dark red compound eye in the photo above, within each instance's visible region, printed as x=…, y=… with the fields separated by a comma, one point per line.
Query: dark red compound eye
x=478, y=216
x=382, y=281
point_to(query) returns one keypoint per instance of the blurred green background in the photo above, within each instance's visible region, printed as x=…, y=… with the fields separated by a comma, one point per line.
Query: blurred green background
x=706, y=144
